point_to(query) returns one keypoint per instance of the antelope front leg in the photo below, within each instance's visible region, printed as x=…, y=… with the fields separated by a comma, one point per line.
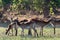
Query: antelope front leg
x=54, y=27
x=29, y=32
x=54, y=31
x=35, y=32
x=8, y=30
x=41, y=31
x=12, y=31
x=16, y=30
x=22, y=32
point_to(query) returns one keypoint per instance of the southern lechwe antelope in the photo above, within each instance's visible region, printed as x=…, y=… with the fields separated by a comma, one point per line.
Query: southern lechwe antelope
x=24, y=24
x=27, y=25
x=41, y=23
x=13, y=25
x=55, y=21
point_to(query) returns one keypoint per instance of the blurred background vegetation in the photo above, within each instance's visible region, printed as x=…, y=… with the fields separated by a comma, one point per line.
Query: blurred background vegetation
x=37, y=7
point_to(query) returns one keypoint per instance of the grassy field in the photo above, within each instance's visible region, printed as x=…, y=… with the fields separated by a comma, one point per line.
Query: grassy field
x=48, y=35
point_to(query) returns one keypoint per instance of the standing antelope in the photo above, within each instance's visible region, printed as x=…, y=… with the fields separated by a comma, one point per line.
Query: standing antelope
x=11, y=26
x=27, y=25
x=55, y=21
x=24, y=25
x=41, y=23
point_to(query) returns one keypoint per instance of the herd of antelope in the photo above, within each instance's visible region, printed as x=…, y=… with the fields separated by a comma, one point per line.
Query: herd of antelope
x=33, y=24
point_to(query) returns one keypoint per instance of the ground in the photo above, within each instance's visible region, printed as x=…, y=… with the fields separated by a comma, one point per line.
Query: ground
x=48, y=35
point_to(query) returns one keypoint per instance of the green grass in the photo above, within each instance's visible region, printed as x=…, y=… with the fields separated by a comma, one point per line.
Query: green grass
x=48, y=35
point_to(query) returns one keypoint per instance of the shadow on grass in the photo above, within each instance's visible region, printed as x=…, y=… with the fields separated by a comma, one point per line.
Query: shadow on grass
x=45, y=36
